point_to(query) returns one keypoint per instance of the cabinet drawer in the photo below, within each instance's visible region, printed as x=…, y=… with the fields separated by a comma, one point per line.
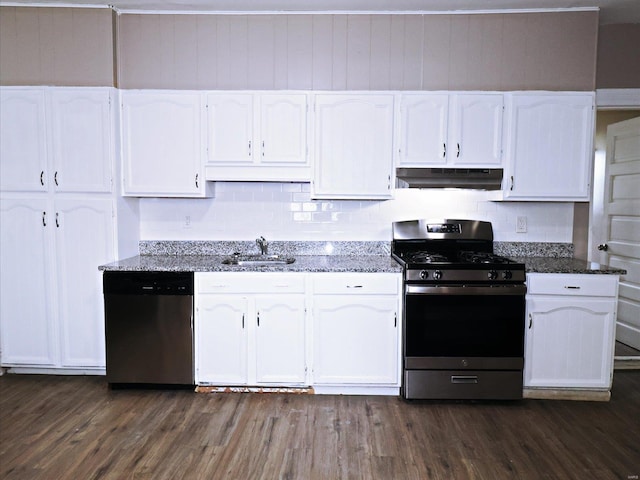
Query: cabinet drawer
x=249, y=283
x=577, y=285
x=371, y=283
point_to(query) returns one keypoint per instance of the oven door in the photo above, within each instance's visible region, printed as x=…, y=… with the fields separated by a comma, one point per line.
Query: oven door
x=464, y=327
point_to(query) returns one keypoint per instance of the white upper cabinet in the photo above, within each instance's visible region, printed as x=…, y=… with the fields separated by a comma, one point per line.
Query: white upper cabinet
x=450, y=130
x=23, y=140
x=56, y=139
x=81, y=140
x=163, y=144
x=548, y=146
x=257, y=136
x=353, y=153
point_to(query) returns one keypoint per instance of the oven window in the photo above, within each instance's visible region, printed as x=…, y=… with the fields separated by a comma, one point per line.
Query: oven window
x=464, y=325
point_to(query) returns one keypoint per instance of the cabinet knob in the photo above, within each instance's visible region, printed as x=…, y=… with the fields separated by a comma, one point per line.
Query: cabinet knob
x=603, y=247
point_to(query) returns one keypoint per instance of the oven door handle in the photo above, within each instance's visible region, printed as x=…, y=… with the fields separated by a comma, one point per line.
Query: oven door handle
x=466, y=289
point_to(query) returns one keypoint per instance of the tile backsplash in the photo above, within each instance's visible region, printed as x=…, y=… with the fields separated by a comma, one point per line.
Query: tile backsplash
x=285, y=211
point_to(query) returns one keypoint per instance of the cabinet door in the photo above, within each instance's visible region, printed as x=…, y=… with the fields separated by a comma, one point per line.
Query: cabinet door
x=81, y=139
x=23, y=151
x=163, y=145
x=221, y=340
x=569, y=342
x=353, y=146
x=84, y=239
x=475, y=130
x=549, y=146
x=283, y=130
x=423, y=130
x=280, y=339
x=26, y=311
x=231, y=130
x=355, y=340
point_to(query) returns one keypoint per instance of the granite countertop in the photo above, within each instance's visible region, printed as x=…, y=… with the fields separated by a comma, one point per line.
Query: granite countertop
x=213, y=263
x=566, y=265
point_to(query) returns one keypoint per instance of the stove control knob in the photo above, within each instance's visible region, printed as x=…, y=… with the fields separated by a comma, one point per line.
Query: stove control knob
x=507, y=275
x=424, y=274
x=492, y=275
x=437, y=274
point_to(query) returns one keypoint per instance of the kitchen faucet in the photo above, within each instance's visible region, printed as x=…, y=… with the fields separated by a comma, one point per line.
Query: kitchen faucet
x=263, y=244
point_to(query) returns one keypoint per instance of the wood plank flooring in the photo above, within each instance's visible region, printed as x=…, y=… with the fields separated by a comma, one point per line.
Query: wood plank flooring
x=77, y=428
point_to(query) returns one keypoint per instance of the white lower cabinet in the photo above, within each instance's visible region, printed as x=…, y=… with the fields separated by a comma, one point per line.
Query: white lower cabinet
x=52, y=308
x=250, y=329
x=570, y=331
x=356, y=329
x=254, y=329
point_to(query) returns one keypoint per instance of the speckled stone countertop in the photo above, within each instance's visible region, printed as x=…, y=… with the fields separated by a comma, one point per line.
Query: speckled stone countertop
x=328, y=256
x=566, y=265
x=213, y=263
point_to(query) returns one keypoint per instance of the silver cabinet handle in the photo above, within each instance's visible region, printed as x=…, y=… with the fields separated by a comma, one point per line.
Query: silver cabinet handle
x=258, y=317
x=571, y=287
x=55, y=178
x=530, y=321
x=57, y=221
x=603, y=247
x=263, y=148
x=243, y=320
x=395, y=320
x=444, y=150
x=464, y=379
x=511, y=183
x=458, y=154
x=42, y=178
x=249, y=147
x=354, y=286
x=197, y=186
x=44, y=219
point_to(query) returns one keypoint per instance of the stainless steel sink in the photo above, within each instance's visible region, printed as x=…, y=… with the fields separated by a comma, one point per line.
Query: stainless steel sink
x=257, y=260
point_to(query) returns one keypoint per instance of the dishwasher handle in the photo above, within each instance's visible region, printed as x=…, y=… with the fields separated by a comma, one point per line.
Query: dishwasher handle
x=148, y=283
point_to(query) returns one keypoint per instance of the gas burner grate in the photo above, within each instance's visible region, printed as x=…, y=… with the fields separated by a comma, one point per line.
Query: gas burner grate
x=427, y=257
x=482, y=257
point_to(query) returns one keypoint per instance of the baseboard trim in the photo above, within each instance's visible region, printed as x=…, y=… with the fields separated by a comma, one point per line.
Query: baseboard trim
x=564, y=394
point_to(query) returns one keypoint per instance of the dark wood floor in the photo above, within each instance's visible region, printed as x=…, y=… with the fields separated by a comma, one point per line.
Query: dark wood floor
x=76, y=428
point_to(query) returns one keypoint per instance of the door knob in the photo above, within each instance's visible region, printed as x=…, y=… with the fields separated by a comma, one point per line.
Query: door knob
x=603, y=246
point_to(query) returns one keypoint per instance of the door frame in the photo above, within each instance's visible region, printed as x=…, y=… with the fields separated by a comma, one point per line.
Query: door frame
x=616, y=99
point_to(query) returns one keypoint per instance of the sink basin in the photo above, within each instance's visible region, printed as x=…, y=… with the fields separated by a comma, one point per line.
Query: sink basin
x=258, y=260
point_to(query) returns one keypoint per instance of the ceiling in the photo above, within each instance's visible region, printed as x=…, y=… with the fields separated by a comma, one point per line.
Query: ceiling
x=611, y=11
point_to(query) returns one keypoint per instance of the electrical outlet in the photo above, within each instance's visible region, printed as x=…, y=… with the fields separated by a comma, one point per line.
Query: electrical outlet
x=521, y=225
x=187, y=221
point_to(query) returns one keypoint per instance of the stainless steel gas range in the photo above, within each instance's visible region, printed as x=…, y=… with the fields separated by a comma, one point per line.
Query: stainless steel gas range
x=464, y=312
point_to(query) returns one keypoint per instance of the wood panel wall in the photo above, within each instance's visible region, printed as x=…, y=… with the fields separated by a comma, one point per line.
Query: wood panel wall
x=554, y=51
x=56, y=46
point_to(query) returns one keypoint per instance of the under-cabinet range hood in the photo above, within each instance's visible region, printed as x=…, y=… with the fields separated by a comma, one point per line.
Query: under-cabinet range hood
x=463, y=178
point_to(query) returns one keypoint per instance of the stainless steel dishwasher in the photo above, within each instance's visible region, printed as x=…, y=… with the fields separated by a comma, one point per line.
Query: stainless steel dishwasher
x=149, y=328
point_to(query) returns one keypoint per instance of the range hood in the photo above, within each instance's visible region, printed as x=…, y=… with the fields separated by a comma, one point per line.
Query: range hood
x=464, y=178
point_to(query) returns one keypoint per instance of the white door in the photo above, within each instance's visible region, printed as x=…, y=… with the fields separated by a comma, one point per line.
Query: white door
x=475, y=130
x=162, y=144
x=569, y=342
x=355, y=340
x=230, y=129
x=353, y=146
x=283, y=129
x=221, y=340
x=423, y=129
x=81, y=139
x=620, y=246
x=26, y=290
x=280, y=339
x=23, y=140
x=84, y=239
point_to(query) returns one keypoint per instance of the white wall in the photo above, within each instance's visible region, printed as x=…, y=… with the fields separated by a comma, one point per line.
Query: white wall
x=284, y=211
